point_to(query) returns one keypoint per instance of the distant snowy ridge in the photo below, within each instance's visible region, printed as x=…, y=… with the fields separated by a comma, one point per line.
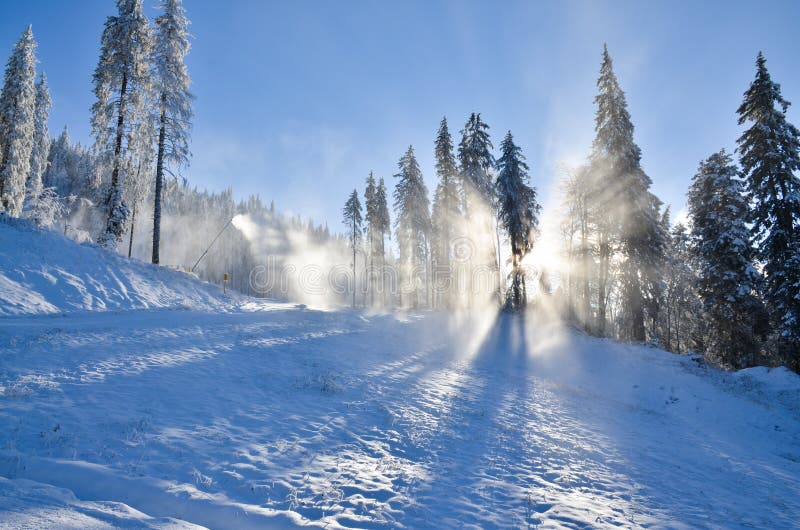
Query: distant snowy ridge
x=44, y=272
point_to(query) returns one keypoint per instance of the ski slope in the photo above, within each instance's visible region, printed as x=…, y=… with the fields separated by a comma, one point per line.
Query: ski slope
x=246, y=414
x=267, y=419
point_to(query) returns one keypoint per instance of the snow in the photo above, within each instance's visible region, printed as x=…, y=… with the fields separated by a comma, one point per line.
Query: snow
x=44, y=272
x=189, y=408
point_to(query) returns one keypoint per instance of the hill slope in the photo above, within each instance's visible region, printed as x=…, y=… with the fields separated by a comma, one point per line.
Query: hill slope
x=288, y=416
x=44, y=272
x=277, y=416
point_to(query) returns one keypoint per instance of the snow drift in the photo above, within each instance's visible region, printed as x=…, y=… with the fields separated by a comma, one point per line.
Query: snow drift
x=45, y=272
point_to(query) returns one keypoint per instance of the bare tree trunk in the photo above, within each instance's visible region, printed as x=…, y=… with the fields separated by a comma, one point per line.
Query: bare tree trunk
x=3, y=164
x=371, y=282
x=601, y=284
x=669, y=327
x=428, y=270
x=585, y=258
x=133, y=221
x=636, y=308
x=159, y=182
x=383, y=269
x=499, y=276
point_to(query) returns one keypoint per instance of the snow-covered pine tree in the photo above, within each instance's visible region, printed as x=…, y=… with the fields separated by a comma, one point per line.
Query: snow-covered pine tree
x=727, y=280
x=653, y=264
x=627, y=213
x=69, y=168
x=769, y=152
x=476, y=160
x=479, y=202
x=174, y=100
x=518, y=212
x=605, y=186
x=373, y=232
x=445, y=216
x=681, y=312
x=55, y=175
x=42, y=204
x=412, y=223
x=122, y=87
x=17, y=123
x=353, y=221
x=41, y=142
x=384, y=228
x=82, y=174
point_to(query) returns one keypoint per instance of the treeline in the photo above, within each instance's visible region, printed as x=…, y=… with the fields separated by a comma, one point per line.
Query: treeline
x=727, y=284
x=450, y=252
x=125, y=190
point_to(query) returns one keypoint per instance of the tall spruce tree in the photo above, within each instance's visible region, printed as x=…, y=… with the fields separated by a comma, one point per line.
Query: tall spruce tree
x=122, y=87
x=173, y=99
x=445, y=214
x=412, y=209
x=353, y=219
x=17, y=123
x=41, y=142
x=384, y=228
x=769, y=152
x=613, y=140
x=373, y=231
x=653, y=261
x=476, y=160
x=680, y=314
x=627, y=213
x=727, y=281
x=56, y=174
x=478, y=192
x=518, y=211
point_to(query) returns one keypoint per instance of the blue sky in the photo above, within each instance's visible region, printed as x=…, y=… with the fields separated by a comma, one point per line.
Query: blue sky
x=299, y=100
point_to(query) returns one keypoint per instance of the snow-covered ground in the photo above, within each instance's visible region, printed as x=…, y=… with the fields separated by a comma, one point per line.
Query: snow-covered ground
x=42, y=272
x=235, y=414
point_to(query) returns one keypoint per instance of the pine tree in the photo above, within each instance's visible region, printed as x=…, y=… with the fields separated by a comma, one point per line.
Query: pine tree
x=681, y=311
x=613, y=134
x=17, y=123
x=727, y=279
x=55, y=175
x=174, y=100
x=353, y=220
x=653, y=261
x=122, y=87
x=769, y=153
x=475, y=157
x=373, y=230
x=627, y=213
x=41, y=142
x=445, y=212
x=478, y=191
x=384, y=228
x=69, y=167
x=518, y=211
x=412, y=209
